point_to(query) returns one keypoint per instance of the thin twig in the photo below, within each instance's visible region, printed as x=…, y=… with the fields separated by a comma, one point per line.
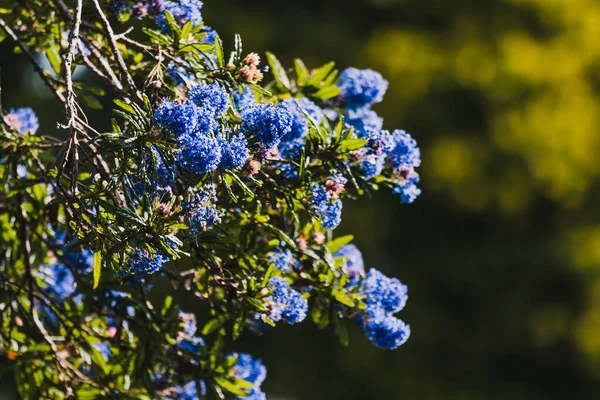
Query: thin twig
x=71, y=107
x=116, y=53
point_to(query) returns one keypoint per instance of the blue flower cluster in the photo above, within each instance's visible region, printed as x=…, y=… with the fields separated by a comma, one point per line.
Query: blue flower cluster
x=58, y=279
x=189, y=391
x=282, y=259
x=235, y=152
x=103, y=349
x=23, y=120
x=253, y=371
x=201, y=209
x=290, y=147
x=384, y=297
x=404, y=158
x=285, y=303
x=142, y=263
x=187, y=339
x=182, y=10
x=364, y=120
x=267, y=123
x=194, y=123
x=361, y=88
x=244, y=97
x=353, y=262
x=329, y=210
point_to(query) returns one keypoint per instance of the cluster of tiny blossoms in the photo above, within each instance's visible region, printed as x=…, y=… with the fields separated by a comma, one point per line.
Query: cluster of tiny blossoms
x=247, y=184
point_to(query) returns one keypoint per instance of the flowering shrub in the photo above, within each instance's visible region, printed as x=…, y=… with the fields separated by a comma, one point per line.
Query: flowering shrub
x=210, y=182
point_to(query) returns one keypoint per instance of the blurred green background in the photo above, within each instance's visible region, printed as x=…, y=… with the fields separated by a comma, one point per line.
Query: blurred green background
x=501, y=253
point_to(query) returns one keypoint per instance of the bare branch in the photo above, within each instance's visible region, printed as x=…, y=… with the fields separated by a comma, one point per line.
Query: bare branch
x=112, y=41
x=71, y=108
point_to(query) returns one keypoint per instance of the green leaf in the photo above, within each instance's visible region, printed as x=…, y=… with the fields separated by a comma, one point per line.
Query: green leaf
x=278, y=72
x=52, y=53
x=327, y=92
x=351, y=144
x=340, y=329
x=339, y=242
x=342, y=298
x=186, y=30
x=219, y=51
x=230, y=387
x=320, y=74
x=125, y=106
x=282, y=235
x=237, y=180
x=97, y=268
x=213, y=325
x=260, y=90
x=157, y=36
x=301, y=71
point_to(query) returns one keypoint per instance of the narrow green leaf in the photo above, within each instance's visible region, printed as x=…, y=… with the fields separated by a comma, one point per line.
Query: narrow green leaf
x=260, y=90
x=230, y=387
x=342, y=298
x=282, y=235
x=351, y=144
x=301, y=71
x=52, y=53
x=339, y=242
x=340, y=328
x=320, y=74
x=97, y=268
x=125, y=106
x=327, y=92
x=237, y=180
x=219, y=51
x=278, y=72
x=186, y=30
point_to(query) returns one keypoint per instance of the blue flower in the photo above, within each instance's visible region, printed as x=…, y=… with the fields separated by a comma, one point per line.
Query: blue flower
x=355, y=267
x=186, y=339
x=364, y=120
x=253, y=371
x=201, y=209
x=23, y=120
x=332, y=215
x=200, y=153
x=244, y=97
x=282, y=259
x=59, y=280
x=211, y=35
x=299, y=128
x=103, y=349
x=379, y=145
x=291, y=149
x=360, y=88
x=385, y=331
x=406, y=153
x=383, y=293
x=184, y=119
x=286, y=303
x=213, y=97
x=163, y=176
x=182, y=10
x=142, y=263
x=329, y=211
x=267, y=123
x=235, y=152
x=188, y=391
x=407, y=187
x=179, y=74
